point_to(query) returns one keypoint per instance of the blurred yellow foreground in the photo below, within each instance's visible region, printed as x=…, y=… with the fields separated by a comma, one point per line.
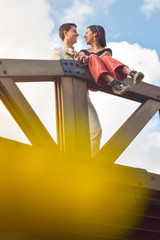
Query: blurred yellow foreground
x=46, y=195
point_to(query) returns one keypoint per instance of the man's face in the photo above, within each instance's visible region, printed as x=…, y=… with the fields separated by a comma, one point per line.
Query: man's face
x=71, y=35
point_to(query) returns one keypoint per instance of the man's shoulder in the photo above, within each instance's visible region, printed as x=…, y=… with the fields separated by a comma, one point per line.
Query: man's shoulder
x=58, y=49
x=57, y=53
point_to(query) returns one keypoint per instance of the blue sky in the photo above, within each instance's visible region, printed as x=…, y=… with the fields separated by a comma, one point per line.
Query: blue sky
x=29, y=30
x=125, y=20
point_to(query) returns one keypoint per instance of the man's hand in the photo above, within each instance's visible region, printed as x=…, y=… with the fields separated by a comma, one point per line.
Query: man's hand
x=85, y=60
x=76, y=57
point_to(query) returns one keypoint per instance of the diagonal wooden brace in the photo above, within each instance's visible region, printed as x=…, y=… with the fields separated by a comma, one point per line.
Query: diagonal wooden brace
x=24, y=115
x=126, y=133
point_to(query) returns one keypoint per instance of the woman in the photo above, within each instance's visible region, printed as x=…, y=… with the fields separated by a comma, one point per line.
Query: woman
x=104, y=68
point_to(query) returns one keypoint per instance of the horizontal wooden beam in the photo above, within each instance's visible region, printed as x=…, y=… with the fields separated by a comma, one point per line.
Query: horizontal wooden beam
x=40, y=70
x=48, y=70
x=139, y=93
x=30, y=70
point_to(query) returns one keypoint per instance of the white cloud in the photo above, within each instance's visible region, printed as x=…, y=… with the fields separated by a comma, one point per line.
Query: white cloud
x=56, y=41
x=144, y=151
x=150, y=6
x=41, y=98
x=77, y=13
x=102, y=5
x=9, y=128
x=25, y=29
x=80, y=10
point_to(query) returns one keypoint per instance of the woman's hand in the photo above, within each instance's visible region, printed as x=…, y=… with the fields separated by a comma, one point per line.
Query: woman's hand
x=83, y=58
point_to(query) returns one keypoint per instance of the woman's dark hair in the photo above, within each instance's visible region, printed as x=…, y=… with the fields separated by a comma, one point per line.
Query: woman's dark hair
x=100, y=34
x=66, y=27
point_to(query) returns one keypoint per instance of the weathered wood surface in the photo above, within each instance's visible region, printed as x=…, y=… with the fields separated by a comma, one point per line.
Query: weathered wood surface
x=72, y=116
x=139, y=93
x=30, y=70
x=49, y=70
x=23, y=114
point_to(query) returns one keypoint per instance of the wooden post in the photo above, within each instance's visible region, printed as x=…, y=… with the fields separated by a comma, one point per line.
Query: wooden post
x=72, y=116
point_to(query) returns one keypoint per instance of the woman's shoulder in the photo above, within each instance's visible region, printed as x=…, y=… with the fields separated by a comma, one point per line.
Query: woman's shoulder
x=109, y=50
x=105, y=50
x=85, y=51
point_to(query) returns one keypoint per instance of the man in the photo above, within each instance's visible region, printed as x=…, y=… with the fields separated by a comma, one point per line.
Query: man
x=68, y=33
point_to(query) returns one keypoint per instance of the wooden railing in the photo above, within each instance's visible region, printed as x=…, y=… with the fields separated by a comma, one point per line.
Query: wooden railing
x=111, y=187
x=71, y=82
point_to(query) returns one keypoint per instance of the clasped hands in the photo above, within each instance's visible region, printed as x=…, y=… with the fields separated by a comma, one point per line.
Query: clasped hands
x=81, y=58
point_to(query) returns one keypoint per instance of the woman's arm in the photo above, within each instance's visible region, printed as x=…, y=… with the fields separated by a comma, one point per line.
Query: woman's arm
x=106, y=53
x=81, y=54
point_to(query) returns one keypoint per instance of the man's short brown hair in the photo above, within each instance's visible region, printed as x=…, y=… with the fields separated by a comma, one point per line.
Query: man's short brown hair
x=66, y=27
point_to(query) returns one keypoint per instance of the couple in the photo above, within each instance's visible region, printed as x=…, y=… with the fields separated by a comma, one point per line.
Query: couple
x=104, y=68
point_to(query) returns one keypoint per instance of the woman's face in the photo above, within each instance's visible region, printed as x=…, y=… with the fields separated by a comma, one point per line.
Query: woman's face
x=89, y=36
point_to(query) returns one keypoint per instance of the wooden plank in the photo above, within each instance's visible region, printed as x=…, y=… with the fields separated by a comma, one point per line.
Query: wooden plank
x=72, y=116
x=24, y=115
x=132, y=177
x=30, y=70
x=126, y=133
x=47, y=70
x=66, y=127
x=81, y=114
x=58, y=104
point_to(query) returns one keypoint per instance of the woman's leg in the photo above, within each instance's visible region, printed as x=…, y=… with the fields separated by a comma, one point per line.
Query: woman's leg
x=102, y=76
x=117, y=86
x=115, y=67
x=120, y=71
x=136, y=76
x=97, y=69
